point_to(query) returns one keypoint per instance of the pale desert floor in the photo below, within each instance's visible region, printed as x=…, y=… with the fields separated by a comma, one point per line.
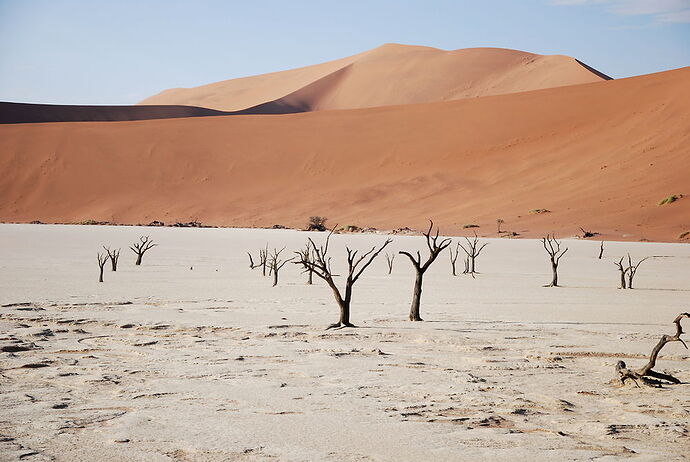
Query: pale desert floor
x=193, y=356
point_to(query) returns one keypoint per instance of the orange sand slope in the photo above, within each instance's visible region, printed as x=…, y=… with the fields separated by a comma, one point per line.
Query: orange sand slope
x=13, y=113
x=388, y=75
x=598, y=155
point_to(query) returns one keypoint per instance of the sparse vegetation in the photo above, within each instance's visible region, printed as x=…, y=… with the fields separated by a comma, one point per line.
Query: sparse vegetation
x=684, y=234
x=499, y=222
x=317, y=223
x=539, y=211
x=670, y=199
x=470, y=225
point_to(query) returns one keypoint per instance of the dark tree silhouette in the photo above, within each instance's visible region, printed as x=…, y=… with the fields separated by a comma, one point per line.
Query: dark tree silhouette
x=275, y=263
x=389, y=261
x=632, y=270
x=307, y=255
x=317, y=223
x=320, y=264
x=114, y=256
x=553, y=248
x=623, y=271
x=102, y=260
x=140, y=248
x=641, y=374
x=601, y=250
x=472, y=251
x=263, y=260
x=454, y=257
x=435, y=248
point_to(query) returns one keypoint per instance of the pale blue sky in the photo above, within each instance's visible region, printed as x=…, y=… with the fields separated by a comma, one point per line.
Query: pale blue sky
x=118, y=52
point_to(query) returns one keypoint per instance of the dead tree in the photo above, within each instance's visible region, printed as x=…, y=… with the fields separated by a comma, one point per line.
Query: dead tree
x=435, y=248
x=275, y=263
x=114, y=256
x=454, y=257
x=623, y=271
x=320, y=264
x=102, y=260
x=641, y=374
x=472, y=253
x=307, y=255
x=251, y=261
x=499, y=222
x=389, y=261
x=140, y=248
x=601, y=250
x=553, y=248
x=632, y=269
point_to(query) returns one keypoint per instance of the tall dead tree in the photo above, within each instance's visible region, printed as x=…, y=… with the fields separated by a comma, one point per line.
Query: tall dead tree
x=641, y=374
x=553, y=248
x=454, y=257
x=102, y=260
x=140, y=248
x=601, y=250
x=263, y=260
x=632, y=270
x=435, y=248
x=623, y=271
x=114, y=256
x=320, y=264
x=307, y=255
x=275, y=263
x=389, y=260
x=472, y=251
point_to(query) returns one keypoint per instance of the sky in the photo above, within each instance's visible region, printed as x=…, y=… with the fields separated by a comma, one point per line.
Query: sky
x=121, y=51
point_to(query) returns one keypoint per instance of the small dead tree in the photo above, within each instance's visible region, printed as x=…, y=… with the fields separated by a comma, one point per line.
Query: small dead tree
x=320, y=264
x=632, y=270
x=114, y=256
x=389, y=261
x=435, y=248
x=641, y=374
x=263, y=260
x=275, y=263
x=251, y=261
x=499, y=222
x=102, y=260
x=454, y=257
x=140, y=248
x=472, y=251
x=307, y=255
x=623, y=271
x=601, y=250
x=553, y=248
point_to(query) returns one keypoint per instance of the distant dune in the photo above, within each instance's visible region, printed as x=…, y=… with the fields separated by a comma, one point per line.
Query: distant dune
x=598, y=155
x=13, y=113
x=388, y=75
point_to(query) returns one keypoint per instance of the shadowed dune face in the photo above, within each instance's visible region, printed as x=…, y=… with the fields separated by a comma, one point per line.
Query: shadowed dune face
x=599, y=156
x=16, y=113
x=388, y=75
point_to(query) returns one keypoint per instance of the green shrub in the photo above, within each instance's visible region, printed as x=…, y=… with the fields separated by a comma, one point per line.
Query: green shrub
x=670, y=199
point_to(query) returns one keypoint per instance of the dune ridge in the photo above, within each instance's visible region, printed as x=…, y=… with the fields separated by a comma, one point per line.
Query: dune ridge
x=598, y=155
x=391, y=74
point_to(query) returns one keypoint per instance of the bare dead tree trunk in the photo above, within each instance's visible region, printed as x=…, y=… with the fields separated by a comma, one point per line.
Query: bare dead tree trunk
x=601, y=250
x=623, y=270
x=472, y=251
x=632, y=270
x=467, y=265
x=275, y=263
x=553, y=248
x=251, y=261
x=140, y=248
x=263, y=260
x=306, y=254
x=102, y=259
x=641, y=374
x=454, y=257
x=320, y=264
x=389, y=261
x=435, y=248
x=114, y=256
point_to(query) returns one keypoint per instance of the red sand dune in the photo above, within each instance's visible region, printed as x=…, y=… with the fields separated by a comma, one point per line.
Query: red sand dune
x=388, y=75
x=13, y=113
x=598, y=155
